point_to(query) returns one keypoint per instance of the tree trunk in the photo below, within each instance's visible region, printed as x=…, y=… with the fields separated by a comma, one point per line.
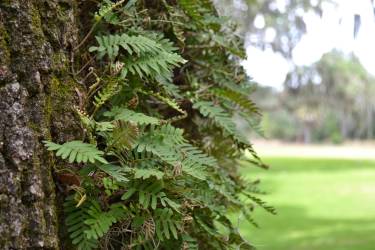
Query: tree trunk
x=36, y=96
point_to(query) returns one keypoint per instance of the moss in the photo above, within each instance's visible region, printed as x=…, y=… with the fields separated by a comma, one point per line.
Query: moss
x=35, y=127
x=62, y=90
x=36, y=23
x=59, y=60
x=4, y=46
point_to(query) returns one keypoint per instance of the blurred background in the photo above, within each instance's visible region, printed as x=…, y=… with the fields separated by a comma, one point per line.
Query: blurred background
x=313, y=64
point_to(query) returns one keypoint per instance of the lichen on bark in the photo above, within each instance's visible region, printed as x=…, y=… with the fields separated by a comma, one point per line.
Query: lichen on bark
x=36, y=96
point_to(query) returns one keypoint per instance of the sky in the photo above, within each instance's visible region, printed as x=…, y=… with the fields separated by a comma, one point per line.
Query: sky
x=334, y=30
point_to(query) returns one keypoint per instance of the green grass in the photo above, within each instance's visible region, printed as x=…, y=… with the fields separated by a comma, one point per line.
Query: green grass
x=322, y=204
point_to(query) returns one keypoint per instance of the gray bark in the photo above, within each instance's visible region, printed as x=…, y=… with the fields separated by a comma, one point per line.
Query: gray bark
x=36, y=96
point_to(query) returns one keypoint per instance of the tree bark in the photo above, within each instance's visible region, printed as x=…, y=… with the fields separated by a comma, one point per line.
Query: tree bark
x=36, y=96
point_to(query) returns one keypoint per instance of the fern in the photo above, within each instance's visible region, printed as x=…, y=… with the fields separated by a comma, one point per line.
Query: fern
x=238, y=99
x=109, y=90
x=152, y=58
x=221, y=118
x=111, y=44
x=166, y=227
x=77, y=151
x=99, y=222
x=117, y=172
x=128, y=115
x=152, y=65
x=194, y=9
x=75, y=221
x=147, y=173
x=157, y=174
x=122, y=137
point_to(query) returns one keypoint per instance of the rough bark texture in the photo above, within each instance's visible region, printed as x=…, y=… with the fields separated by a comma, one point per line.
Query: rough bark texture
x=36, y=95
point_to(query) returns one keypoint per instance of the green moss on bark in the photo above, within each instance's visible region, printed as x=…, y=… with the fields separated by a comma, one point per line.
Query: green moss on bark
x=4, y=48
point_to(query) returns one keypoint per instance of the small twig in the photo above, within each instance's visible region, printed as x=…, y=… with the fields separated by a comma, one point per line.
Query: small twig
x=86, y=64
x=87, y=35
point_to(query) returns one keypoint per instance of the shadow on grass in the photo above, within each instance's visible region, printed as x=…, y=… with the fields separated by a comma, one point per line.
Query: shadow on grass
x=294, y=229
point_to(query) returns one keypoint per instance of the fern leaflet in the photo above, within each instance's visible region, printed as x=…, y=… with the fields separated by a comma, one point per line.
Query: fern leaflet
x=75, y=221
x=125, y=114
x=221, y=118
x=77, y=151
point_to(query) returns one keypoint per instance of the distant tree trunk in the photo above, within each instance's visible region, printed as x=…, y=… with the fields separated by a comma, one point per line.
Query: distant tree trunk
x=369, y=121
x=344, y=125
x=307, y=134
x=36, y=96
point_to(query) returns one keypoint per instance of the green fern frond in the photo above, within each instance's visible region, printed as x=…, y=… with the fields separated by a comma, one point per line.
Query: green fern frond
x=163, y=142
x=99, y=222
x=239, y=99
x=122, y=137
x=221, y=118
x=193, y=169
x=111, y=44
x=194, y=8
x=119, y=173
x=104, y=127
x=166, y=83
x=147, y=173
x=189, y=242
x=152, y=65
x=75, y=222
x=128, y=115
x=254, y=123
x=106, y=9
x=77, y=151
x=149, y=192
x=191, y=152
x=235, y=49
x=166, y=227
x=195, y=161
x=110, y=89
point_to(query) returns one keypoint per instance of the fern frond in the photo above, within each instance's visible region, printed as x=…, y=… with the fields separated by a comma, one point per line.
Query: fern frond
x=261, y=203
x=165, y=225
x=119, y=173
x=163, y=142
x=194, y=8
x=122, y=137
x=76, y=151
x=221, y=118
x=111, y=44
x=99, y=222
x=192, y=152
x=189, y=243
x=75, y=222
x=128, y=115
x=152, y=65
x=254, y=123
x=230, y=46
x=195, y=161
x=147, y=173
x=238, y=99
x=110, y=89
x=168, y=86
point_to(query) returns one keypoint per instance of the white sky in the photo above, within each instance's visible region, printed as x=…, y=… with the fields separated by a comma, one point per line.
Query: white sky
x=333, y=30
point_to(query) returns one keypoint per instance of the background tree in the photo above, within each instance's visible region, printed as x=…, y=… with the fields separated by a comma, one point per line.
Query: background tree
x=334, y=94
x=271, y=24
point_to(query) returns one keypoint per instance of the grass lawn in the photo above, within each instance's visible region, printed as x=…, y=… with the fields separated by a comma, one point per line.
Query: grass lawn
x=323, y=204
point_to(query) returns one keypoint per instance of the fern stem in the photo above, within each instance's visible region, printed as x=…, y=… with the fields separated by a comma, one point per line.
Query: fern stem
x=96, y=24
